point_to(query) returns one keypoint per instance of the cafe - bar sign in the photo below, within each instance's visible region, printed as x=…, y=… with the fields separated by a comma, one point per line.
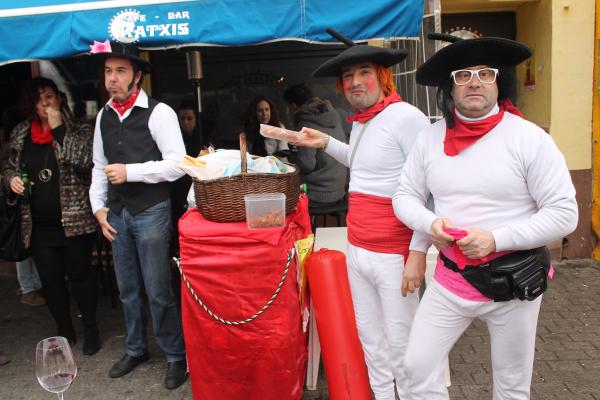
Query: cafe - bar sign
x=129, y=25
x=52, y=29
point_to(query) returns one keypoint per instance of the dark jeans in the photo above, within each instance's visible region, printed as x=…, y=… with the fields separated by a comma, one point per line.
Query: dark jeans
x=72, y=259
x=140, y=254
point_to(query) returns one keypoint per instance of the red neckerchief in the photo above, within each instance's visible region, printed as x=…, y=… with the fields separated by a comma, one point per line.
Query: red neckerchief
x=465, y=133
x=122, y=106
x=39, y=135
x=364, y=116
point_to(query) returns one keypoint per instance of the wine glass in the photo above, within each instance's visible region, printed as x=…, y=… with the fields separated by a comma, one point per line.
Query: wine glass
x=55, y=365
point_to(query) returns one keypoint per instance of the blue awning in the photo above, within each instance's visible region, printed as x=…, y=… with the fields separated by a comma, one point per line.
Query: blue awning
x=47, y=29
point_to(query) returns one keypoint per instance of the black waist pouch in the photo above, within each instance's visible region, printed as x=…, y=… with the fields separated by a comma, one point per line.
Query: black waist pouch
x=521, y=274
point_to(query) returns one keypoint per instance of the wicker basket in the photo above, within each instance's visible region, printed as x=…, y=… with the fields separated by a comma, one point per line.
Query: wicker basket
x=222, y=199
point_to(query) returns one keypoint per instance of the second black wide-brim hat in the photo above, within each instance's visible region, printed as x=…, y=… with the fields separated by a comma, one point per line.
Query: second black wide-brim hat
x=492, y=51
x=124, y=50
x=383, y=56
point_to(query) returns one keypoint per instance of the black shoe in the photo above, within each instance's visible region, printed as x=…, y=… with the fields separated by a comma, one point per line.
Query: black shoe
x=176, y=374
x=127, y=364
x=91, y=341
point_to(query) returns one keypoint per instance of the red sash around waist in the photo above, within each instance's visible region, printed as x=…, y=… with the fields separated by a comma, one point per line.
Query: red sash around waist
x=372, y=225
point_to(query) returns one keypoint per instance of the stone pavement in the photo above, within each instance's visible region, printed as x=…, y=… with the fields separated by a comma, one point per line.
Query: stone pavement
x=567, y=364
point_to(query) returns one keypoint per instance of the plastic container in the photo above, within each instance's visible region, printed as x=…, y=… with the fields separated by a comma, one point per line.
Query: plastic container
x=265, y=211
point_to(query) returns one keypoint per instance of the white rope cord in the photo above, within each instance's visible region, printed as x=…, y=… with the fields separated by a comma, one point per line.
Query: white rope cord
x=249, y=319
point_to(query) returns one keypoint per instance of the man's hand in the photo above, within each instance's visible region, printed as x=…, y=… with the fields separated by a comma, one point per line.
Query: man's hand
x=107, y=230
x=116, y=173
x=439, y=238
x=414, y=271
x=54, y=117
x=16, y=185
x=477, y=244
x=311, y=138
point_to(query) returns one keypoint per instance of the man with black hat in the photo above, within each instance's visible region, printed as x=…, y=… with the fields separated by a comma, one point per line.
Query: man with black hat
x=383, y=133
x=502, y=191
x=137, y=150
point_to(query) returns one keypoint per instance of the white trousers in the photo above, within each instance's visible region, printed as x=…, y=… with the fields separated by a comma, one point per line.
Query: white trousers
x=440, y=321
x=383, y=317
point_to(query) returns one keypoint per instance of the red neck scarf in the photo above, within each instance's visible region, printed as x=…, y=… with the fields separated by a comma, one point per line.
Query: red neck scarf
x=364, y=116
x=39, y=135
x=122, y=106
x=465, y=133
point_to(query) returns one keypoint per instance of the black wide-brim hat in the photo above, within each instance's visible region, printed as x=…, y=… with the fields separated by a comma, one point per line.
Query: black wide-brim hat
x=463, y=53
x=120, y=50
x=357, y=53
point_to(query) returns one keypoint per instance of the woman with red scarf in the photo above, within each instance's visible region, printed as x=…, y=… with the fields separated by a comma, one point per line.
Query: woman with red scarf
x=502, y=191
x=50, y=163
x=380, y=247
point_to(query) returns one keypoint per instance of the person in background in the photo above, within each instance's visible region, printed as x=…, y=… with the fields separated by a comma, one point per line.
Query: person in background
x=57, y=222
x=502, y=191
x=30, y=284
x=29, y=280
x=137, y=151
x=262, y=110
x=190, y=128
x=324, y=176
x=380, y=247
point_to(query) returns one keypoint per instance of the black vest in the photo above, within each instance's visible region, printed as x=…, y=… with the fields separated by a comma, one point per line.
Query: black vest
x=130, y=142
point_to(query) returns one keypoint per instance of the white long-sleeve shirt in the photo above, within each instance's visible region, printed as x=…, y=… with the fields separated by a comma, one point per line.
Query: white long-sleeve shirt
x=513, y=182
x=381, y=153
x=165, y=131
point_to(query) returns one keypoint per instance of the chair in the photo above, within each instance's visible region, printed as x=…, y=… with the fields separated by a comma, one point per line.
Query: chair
x=337, y=210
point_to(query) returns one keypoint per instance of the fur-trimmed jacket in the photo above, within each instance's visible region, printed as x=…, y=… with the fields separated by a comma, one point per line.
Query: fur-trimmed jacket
x=74, y=157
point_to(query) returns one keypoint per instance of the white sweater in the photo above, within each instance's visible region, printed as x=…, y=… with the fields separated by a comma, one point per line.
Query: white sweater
x=513, y=182
x=381, y=153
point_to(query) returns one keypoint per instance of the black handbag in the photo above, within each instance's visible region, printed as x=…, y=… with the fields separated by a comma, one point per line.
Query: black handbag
x=11, y=243
x=521, y=274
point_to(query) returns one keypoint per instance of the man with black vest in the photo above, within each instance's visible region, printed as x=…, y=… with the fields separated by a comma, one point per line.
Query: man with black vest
x=137, y=149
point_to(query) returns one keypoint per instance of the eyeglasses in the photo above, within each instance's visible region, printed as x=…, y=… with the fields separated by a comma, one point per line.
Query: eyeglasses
x=462, y=77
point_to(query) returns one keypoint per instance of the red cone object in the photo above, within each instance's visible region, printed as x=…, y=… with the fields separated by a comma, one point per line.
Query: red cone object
x=342, y=352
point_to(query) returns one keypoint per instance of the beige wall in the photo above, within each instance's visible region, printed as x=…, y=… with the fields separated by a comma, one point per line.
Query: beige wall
x=572, y=80
x=536, y=104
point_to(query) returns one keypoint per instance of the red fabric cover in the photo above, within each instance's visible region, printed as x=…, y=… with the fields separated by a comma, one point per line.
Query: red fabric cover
x=455, y=253
x=342, y=352
x=235, y=271
x=372, y=225
x=365, y=115
x=39, y=135
x=465, y=133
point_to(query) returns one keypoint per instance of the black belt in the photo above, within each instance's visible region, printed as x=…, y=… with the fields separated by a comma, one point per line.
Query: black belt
x=521, y=274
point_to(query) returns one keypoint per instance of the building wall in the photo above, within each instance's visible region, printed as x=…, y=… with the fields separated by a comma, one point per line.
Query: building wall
x=571, y=120
x=535, y=104
x=572, y=73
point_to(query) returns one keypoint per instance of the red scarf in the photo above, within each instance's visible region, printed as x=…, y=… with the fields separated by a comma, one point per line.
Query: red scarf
x=465, y=133
x=122, y=106
x=372, y=225
x=39, y=135
x=364, y=116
